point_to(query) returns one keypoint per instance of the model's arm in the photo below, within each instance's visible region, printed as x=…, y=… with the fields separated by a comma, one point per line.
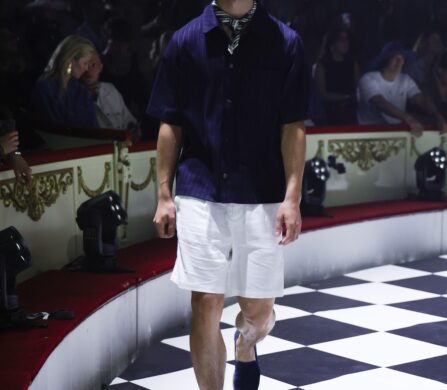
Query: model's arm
x=168, y=150
x=380, y=103
x=293, y=148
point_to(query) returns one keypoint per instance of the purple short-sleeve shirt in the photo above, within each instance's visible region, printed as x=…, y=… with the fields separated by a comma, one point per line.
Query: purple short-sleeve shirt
x=231, y=107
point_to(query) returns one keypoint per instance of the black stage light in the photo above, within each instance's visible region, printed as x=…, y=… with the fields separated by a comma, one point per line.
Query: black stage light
x=15, y=257
x=316, y=174
x=99, y=219
x=431, y=174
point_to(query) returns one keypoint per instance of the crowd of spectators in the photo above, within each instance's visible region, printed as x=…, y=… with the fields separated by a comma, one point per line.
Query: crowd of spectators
x=91, y=63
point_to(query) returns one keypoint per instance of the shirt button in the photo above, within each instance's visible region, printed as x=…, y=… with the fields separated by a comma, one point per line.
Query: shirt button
x=231, y=66
x=225, y=176
x=229, y=102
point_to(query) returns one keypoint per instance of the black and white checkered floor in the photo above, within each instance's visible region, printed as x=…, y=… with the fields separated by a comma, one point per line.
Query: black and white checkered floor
x=383, y=328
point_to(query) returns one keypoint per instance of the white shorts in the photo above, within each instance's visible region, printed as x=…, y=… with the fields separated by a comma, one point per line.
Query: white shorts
x=228, y=248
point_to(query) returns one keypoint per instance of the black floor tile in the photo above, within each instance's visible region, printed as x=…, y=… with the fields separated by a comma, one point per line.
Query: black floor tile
x=433, y=332
x=429, y=265
x=312, y=329
x=318, y=301
x=339, y=281
x=304, y=366
x=434, y=368
x=430, y=283
x=435, y=306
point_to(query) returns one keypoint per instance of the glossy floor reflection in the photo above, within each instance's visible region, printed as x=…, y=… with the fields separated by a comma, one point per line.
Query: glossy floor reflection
x=383, y=328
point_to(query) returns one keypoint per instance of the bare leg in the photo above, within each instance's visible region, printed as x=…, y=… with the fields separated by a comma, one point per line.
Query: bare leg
x=255, y=321
x=208, y=351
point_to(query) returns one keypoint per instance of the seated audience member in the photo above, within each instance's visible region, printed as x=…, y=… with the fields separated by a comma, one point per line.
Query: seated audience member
x=429, y=49
x=59, y=95
x=111, y=111
x=383, y=94
x=436, y=86
x=9, y=144
x=336, y=77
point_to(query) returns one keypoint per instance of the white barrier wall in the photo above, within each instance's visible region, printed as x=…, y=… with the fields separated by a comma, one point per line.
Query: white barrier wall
x=86, y=358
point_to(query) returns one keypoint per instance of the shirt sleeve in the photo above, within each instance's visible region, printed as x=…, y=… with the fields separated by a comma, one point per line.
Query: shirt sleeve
x=295, y=96
x=164, y=102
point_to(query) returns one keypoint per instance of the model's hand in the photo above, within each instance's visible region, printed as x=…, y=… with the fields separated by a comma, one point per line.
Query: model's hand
x=10, y=142
x=288, y=221
x=416, y=127
x=164, y=219
x=21, y=169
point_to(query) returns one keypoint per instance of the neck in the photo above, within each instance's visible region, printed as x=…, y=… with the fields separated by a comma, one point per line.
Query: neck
x=236, y=8
x=389, y=75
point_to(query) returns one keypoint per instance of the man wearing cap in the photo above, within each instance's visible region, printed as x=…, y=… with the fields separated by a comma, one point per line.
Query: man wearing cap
x=232, y=95
x=384, y=93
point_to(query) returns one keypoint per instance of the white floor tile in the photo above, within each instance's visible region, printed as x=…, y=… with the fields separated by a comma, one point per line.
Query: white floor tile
x=378, y=379
x=118, y=381
x=185, y=380
x=270, y=344
x=379, y=293
x=387, y=273
x=297, y=290
x=282, y=313
x=443, y=273
x=382, y=349
x=379, y=317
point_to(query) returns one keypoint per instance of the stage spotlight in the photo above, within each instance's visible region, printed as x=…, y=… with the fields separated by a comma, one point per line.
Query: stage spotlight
x=431, y=174
x=99, y=219
x=316, y=174
x=15, y=257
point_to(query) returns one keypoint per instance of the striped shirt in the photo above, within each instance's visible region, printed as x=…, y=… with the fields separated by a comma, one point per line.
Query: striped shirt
x=230, y=107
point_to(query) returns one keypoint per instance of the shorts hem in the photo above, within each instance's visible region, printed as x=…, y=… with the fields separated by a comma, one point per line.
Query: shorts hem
x=256, y=295
x=185, y=286
x=243, y=294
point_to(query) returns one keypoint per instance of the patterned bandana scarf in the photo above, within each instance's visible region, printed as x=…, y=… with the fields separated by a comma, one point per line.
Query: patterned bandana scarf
x=237, y=25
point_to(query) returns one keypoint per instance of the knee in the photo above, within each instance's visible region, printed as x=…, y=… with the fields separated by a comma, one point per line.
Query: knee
x=207, y=305
x=261, y=320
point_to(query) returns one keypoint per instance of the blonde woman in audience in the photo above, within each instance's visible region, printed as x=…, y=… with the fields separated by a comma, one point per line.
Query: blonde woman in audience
x=59, y=96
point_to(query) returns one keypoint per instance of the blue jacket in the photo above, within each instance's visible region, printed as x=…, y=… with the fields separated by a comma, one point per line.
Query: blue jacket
x=74, y=106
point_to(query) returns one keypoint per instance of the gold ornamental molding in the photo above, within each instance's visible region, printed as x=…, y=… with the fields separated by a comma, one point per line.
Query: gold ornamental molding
x=366, y=152
x=82, y=186
x=320, y=149
x=43, y=192
x=151, y=176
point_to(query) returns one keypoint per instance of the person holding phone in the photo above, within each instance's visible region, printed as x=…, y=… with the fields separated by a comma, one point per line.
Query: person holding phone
x=9, y=148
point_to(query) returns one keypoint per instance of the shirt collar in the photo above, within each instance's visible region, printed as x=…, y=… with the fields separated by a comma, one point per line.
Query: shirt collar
x=209, y=19
x=259, y=24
